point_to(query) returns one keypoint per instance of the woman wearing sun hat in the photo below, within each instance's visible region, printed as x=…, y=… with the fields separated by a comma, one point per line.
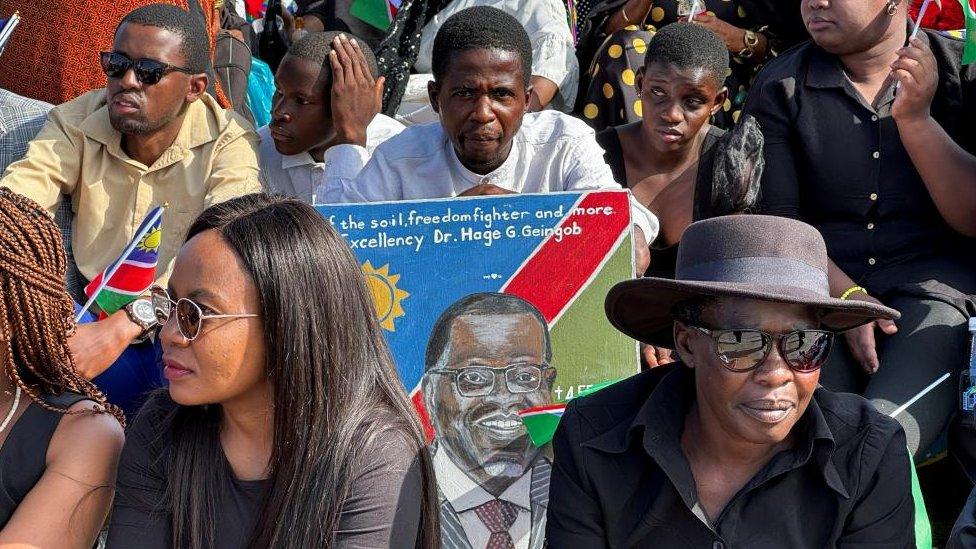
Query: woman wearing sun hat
x=735, y=445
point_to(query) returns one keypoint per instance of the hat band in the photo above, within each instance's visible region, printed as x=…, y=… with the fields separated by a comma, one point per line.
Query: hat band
x=765, y=271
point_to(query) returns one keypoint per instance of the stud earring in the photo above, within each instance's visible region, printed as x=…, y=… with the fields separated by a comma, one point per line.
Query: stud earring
x=892, y=8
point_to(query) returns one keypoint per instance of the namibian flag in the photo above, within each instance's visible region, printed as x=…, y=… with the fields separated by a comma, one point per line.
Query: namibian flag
x=133, y=272
x=378, y=13
x=7, y=27
x=969, y=12
x=541, y=421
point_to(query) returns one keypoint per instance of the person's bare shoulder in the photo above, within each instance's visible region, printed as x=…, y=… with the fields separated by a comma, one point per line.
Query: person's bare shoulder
x=86, y=444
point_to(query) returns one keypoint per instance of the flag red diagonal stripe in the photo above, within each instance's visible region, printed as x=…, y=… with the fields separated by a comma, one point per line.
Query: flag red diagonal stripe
x=559, y=270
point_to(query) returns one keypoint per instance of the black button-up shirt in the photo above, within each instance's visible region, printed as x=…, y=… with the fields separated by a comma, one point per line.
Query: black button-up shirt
x=620, y=478
x=838, y=163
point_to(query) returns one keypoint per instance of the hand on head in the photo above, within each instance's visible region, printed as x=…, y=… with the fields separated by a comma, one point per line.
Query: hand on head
x=357, y=97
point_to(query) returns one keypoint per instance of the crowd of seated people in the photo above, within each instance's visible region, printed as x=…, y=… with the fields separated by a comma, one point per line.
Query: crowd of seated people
x=798, y=170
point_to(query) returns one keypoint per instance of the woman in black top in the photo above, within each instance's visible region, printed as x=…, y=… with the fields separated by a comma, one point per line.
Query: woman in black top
x=285, y=423
x=60, y=441
x=867, y=140
x=669, y=158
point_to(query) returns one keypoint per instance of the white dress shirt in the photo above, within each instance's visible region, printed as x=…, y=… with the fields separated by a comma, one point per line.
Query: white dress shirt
x=298, y=175
x=551, y=152
x=465, y=495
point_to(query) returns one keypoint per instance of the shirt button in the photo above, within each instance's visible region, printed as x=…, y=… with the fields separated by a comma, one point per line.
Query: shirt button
x=871, y=261
x=876, y=154
x=870, y=226
x=874, y=118
x=873, y=196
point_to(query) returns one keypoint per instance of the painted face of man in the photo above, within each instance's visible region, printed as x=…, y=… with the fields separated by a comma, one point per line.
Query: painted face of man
x=493, y=367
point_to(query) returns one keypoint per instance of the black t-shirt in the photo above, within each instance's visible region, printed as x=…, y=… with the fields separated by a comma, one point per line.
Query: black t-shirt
x=839, y=164
x=665, y=258
x=382, y=510
x=23, y=457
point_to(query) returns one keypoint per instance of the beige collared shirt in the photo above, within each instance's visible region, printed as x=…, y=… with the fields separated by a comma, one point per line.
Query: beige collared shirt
x=79, y=154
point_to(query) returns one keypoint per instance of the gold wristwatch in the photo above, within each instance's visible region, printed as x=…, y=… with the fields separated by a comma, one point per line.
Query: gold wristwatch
x=751, y=40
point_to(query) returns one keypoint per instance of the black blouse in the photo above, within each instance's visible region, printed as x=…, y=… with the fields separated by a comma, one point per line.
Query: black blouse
x=621, y=479
x=839, y=164
x=664, y=258
x=23, y=457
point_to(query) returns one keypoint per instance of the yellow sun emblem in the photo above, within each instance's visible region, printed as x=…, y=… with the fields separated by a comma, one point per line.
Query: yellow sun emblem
x=386, y=296
x=150, y=242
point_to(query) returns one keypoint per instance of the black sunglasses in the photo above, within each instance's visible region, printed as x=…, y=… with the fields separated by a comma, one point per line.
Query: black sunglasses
x=804, y=351
x=148, y=71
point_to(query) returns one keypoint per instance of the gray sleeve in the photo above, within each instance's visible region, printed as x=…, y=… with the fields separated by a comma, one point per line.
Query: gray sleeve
x=384, y=504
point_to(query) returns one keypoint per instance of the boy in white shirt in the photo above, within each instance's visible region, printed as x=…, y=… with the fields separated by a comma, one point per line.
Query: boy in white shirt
x=302, y=126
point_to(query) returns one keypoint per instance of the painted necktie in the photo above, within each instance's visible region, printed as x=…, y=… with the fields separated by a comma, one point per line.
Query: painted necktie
x=498, y=516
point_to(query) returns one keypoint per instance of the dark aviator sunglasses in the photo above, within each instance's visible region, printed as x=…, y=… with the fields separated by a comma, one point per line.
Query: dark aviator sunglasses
x=147, y=71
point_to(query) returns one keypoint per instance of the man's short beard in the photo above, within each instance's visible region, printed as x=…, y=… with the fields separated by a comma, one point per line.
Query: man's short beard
x=132, y=126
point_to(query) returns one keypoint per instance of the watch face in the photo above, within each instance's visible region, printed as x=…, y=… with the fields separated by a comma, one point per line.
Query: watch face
x=143, y=310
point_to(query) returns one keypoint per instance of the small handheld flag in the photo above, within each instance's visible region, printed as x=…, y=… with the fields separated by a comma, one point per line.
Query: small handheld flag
x=7, y=27
x=378, y=13
x=969, y=54
x=921, y=15
x=132, y=273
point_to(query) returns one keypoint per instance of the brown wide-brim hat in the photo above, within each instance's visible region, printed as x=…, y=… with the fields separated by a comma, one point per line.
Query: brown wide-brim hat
x=760, y=257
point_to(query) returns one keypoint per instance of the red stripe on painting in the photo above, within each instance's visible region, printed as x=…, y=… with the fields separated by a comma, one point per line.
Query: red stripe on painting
x=418, y=402
x=558, y=270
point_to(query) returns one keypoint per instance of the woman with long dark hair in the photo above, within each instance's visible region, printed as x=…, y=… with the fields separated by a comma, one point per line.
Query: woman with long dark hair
x=285, y=423
x=60, y=441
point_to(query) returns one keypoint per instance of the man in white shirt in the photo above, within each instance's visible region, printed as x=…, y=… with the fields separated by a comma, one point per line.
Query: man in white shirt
x=302, y=128
x=555, y=68
x=485, y=143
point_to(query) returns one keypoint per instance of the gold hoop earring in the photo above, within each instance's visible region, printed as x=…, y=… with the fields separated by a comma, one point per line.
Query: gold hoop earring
x=892, y=8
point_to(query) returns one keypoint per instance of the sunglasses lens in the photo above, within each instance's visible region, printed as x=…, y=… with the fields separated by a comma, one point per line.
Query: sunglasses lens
x=188, y=316
x=114, y=64
x=150, y=72
x=162, y=306
x=807, y=350
x=741, y=350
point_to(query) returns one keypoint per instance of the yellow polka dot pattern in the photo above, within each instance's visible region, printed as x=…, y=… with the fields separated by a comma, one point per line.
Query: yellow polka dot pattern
x=628, y=77
x=591, y=111
x=615, y=51
x=657, y=14
x=727, y=106
x=608, y=91
x=638, y=108
x=640, y=46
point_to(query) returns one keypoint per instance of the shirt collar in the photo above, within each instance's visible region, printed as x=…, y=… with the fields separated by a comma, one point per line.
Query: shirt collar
x=465, y=494
x=297, y=160
x=198, y=128
x=824, y=70
x=502, y=176
x=661, y=421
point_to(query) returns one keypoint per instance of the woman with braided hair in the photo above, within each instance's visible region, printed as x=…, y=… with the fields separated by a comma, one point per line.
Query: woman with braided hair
x=59, y=439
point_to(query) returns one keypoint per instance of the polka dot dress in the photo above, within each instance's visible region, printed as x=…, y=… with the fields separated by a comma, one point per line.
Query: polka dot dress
x=611, y=99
